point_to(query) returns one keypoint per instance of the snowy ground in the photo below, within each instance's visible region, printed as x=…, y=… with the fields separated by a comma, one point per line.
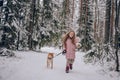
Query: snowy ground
x=31, y=65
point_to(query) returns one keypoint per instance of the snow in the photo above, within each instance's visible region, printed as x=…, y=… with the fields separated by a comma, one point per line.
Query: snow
x=29, y=65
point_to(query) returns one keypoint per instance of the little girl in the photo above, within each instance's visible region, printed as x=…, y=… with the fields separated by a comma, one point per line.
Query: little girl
x=69, y=44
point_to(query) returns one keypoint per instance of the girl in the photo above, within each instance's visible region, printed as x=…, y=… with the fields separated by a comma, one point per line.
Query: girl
x=69, y=44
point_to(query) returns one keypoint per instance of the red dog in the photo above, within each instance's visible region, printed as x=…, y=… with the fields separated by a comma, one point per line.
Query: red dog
x=50, y=60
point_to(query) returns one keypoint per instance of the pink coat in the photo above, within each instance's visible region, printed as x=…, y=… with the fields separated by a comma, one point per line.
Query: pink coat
x=70, y=48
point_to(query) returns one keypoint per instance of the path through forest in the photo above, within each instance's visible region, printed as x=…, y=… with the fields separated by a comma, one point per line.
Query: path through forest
x=32, y=66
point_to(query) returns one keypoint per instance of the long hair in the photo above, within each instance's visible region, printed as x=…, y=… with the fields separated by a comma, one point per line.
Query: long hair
x=67, y=36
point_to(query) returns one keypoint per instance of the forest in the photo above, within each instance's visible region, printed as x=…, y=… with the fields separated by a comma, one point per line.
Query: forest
x=27, y=25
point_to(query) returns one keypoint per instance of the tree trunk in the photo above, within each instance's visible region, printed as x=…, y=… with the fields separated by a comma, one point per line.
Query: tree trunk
x=112, y=21
x=67, y=13
x=31, y=24
x=73, y=10
x=67, y=7
x=81, y=9
x=117, y=34
x=107, y=21
x=86, y=11
x=95, y=20
x=80, y=20
x=86, y=18
x=18, y=40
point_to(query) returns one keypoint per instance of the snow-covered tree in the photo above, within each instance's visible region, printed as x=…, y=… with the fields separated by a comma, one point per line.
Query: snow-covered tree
x=86, y=23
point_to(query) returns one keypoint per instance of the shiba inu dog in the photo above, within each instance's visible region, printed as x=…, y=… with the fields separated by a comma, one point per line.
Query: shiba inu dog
x=50, y=60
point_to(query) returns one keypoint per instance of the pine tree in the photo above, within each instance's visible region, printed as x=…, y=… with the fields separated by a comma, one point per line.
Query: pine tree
x=86, y=23
x=9, y=29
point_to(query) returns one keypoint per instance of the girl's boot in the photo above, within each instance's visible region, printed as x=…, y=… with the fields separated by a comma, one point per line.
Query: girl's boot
x=70, y=66
x=67, y=69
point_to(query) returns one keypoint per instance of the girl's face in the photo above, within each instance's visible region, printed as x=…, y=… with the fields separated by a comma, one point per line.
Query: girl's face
x=71, y=34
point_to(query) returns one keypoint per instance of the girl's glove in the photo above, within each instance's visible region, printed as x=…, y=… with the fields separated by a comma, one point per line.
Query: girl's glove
x=63, y=52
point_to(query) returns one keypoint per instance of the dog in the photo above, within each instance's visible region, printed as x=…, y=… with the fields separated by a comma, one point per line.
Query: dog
x=50, y=60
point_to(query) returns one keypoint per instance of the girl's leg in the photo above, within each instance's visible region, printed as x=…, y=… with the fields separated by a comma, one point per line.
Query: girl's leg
x=71, y=63
x=68, y=62
x=67, y=65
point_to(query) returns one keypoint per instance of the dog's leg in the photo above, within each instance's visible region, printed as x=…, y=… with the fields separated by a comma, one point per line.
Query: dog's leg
x=52, y=64
x=47, y=64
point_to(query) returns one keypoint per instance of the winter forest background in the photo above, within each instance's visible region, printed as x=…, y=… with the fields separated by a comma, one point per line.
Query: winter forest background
x=31, y=24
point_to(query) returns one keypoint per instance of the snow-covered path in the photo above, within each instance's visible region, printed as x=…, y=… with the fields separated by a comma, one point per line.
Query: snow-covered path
x=32, y=66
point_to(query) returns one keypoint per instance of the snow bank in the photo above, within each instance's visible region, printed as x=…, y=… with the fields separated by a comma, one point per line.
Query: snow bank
x=6, y=52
